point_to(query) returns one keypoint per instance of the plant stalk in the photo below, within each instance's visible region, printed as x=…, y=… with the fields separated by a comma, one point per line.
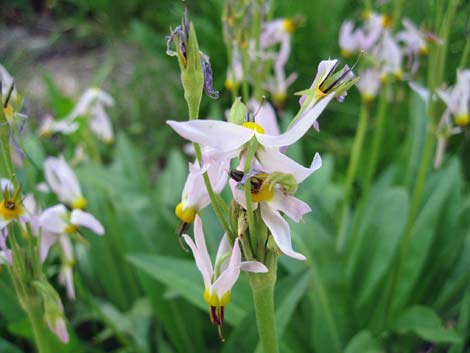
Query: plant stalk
x=262, y=286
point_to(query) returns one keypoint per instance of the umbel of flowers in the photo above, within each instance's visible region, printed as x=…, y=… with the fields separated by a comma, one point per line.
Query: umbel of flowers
x=27, y=233
x=247, y=152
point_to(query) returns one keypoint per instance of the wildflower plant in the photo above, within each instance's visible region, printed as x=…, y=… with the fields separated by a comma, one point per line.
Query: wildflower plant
x=264, y=181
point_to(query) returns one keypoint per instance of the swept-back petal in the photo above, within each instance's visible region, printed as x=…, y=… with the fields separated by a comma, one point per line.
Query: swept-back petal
x=224, y=248
x=305, y=121
x=85, y=219
x=274, y=161
x=54, y=219
x=290, y=205
x=227, y=278
x=266, y=116
x=221, y=135
x=199, y=249
x=280, y=231
x=47, y=240
x=253, y=266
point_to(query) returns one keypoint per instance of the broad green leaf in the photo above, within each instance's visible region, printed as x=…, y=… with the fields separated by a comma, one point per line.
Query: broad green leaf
x=424, y=322
x=375, y=246
x=363, y=342
x=423, y=233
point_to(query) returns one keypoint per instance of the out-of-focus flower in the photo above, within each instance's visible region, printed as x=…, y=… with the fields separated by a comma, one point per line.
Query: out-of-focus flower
x=63, y=182
x=279, y=84
x=445, y=129
x=413, y=38
x=195, y=196
x=51, y=126
x=369, y=84
x=235, y=71
x=56, y=223
x=349, y=39
x=58, y=220
x=457, y=98
x=373, y=29
x=92, y=104
x=219, y=280
x=390, y=56
x=271, y=180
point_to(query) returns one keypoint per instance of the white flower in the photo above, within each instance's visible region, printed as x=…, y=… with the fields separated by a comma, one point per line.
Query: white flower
x=369, y=84
x=457, y=98
x=195, y=196
x=272, y=199
x=219, y=280
x=63, y=182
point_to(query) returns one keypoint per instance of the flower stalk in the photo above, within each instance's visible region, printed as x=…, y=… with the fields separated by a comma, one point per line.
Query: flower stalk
x=262, y=286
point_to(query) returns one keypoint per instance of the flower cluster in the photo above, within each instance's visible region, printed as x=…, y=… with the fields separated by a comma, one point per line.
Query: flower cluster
x=28, y=232
x=384, y=51
x=456, y=116
x=263, y=184
x=258, y=57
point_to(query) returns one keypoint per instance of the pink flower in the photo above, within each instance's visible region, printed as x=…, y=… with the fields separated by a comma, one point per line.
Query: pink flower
x=220, y=279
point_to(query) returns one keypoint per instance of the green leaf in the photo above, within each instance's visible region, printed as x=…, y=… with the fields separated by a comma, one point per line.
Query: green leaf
x=463, y=326
x=363, y=342
x=424, y=322
x=375, y=245
x=7, y=347
x=184, y=278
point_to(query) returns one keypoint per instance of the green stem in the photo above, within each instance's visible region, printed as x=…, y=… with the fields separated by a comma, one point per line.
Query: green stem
x=193, y=115
x=378, y=138
x=253, y=145
x=352, y=170
x=262, y=286
x=33, y=308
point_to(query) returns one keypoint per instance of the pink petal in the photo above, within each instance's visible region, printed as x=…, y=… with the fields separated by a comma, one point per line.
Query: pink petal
x=85, y=219
x=200, y=253
x=53, y=219
x=299, y=129
x=266, y=116
x=253, y=266
x=274, y=161
x=279, y=230
x=221, y=135
x=290, y=205
x=227, y=279
x=47, y=240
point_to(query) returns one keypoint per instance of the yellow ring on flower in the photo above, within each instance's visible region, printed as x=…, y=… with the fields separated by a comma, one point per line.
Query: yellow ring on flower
x=186, y=215
x=254, y=126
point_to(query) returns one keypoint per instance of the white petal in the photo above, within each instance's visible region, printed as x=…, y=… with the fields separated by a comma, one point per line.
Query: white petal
x=280, y=231
x=101, y=125
x=422, y=92
x=47, y=240
x=66, y=279
x=59, y=328
x=200, y=253
x=300, y=127
x=266, y=116
x=221, y=135
x=85, y=219
x=62, y=179
x=274, y=161
x=224, y=248
x=290, y=205
x=253, y=266
x=227, y=278
x=54, y=219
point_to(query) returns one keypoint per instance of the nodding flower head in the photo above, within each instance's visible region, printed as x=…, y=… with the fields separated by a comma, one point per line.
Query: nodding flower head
x=457, y=98
x=220, y=278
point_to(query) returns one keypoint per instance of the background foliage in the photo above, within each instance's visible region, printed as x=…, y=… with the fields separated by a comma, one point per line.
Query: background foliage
x=138, y=292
